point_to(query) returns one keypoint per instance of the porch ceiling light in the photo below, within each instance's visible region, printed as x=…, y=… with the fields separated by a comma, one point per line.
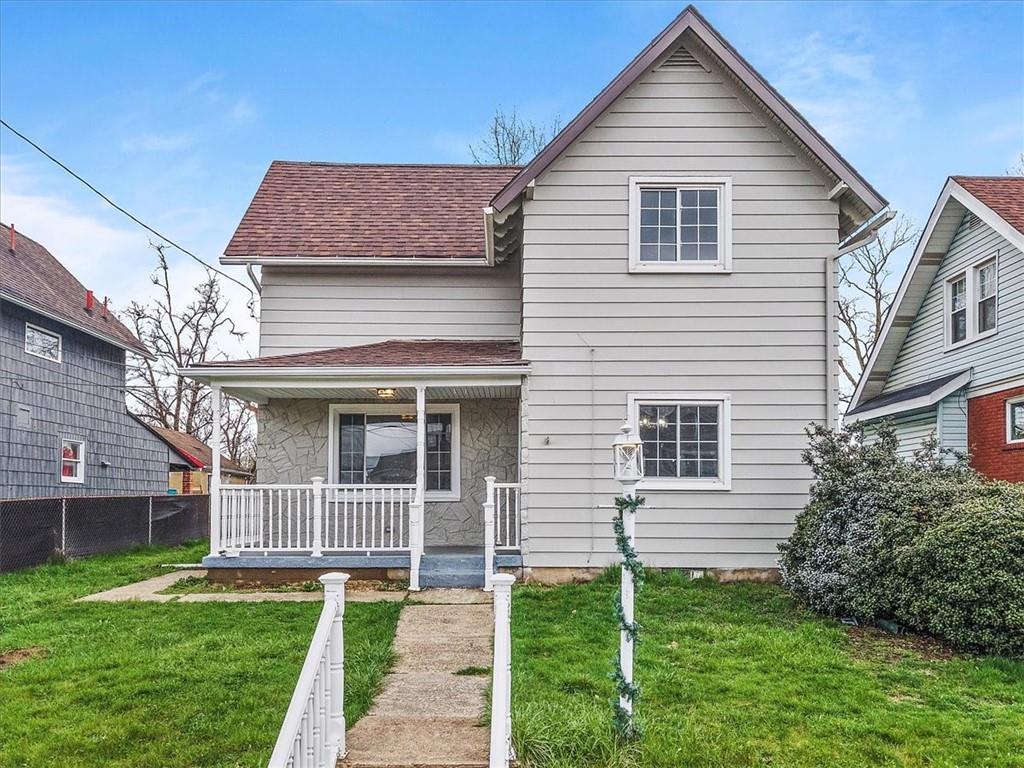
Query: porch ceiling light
x=386, y=393
x=629, y=465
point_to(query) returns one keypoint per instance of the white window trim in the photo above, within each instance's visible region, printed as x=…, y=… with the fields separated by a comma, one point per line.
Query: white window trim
x=1009, y=424
x=682, y=181
x=972, y=289
x=48, y=332
x=81, y=460
x=724, y=480
x=402, y=409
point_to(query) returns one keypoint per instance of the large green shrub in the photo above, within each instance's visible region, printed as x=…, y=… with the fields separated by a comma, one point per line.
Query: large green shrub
x=925, y=541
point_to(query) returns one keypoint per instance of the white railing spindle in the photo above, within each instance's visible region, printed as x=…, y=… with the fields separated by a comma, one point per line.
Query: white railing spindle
x=313, y=732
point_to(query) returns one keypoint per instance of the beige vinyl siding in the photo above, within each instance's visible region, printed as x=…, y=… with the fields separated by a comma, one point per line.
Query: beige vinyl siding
x=757, y=334
x=923, y=355
x=309, y=309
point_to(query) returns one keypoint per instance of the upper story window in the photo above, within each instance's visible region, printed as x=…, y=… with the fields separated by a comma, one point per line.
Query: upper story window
x=1015, y=420
x=72, y=461
x=42, y=343
x=686, y=439
x=680, y=224
x=971, y=303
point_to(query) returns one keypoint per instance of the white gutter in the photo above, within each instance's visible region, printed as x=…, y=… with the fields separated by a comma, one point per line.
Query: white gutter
x=917, y=403
x=298, y=372
x=489, y=234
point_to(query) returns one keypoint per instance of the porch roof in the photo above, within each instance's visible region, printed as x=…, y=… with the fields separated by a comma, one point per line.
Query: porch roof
x=448, y=367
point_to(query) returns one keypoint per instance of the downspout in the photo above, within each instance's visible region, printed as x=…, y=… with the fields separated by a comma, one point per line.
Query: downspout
x=252, y=276
x=591, y=479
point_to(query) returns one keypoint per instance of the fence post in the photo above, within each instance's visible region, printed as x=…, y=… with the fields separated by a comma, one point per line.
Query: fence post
x=150, y=537
x=64, y=526
x=318, y=516
x=334, y=589
x=489, y=534
x=501, y=682
x=213, y=486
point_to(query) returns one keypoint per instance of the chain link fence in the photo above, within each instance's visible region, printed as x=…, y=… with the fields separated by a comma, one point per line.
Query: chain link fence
x=34, y=530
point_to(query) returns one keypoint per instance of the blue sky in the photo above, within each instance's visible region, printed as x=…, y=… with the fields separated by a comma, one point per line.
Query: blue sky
x=175, y=109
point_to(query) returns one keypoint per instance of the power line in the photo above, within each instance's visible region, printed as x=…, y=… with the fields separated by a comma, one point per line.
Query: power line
x=27, y=140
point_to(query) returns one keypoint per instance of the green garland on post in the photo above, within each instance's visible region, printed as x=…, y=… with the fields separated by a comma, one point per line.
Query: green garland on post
x=627, y=727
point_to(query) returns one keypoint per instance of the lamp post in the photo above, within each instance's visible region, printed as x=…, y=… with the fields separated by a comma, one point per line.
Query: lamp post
x=629, y=469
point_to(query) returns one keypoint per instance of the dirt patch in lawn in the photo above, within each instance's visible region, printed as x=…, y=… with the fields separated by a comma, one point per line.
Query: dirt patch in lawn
x=18, y=655
x=873, y=644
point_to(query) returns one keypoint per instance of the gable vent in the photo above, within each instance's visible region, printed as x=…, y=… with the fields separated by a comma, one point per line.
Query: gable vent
x=680, y=59
x=971, y=220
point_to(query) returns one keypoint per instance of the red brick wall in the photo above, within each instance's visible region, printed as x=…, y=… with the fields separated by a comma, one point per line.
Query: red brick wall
x=986, y=436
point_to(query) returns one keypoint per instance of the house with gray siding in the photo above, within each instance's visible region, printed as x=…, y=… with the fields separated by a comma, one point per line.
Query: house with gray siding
x=949, y=363
x=64, y=427
x=447, y=352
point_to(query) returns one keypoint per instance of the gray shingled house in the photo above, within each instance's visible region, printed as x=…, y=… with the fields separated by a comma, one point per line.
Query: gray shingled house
x=447, y=352
x=64, y=427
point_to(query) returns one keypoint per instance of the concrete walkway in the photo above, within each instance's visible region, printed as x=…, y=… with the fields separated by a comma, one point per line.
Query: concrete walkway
x=426, y=715
x=150, y=589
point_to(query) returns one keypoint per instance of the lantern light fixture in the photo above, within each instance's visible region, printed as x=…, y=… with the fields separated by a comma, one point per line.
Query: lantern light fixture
x=386, y=393
x=628, y=450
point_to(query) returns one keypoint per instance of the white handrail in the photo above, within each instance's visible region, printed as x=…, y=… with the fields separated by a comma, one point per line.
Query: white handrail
x=313, y=732
x=501, y=753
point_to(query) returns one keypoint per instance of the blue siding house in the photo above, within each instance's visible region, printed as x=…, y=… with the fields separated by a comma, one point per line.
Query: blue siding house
x=64, y=427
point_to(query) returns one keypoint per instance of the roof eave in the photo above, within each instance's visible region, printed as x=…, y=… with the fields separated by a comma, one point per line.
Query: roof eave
x=354, y=261
x=690, y=19
x=914, y=404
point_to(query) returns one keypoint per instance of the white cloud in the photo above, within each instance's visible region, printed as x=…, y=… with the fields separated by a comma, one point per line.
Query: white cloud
x=202, y=82
x=158, y=142
x=243, y=110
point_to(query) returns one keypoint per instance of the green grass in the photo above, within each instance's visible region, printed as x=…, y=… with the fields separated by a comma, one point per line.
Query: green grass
x=163, y=685
x=737, y=675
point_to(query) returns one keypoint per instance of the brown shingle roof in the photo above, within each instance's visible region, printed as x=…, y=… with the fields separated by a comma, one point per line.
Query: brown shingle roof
x=327, y=209
x=32, y=277
x=417, y=352
x=1003, y=194
x=195, y=450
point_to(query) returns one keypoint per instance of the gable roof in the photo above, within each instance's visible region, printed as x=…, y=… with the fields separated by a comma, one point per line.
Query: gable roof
x=194, y=450
x=31, y=277
x=1006, y=195
x=336, y=211
x=690, y=21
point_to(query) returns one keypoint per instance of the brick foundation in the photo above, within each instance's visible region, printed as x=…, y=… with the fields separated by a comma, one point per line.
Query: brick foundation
x=991, y=455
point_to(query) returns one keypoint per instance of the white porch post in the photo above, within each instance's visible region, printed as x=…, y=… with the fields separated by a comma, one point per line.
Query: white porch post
x=489, y=535
x=318, y=516
x=416, y=510
x=214, y=484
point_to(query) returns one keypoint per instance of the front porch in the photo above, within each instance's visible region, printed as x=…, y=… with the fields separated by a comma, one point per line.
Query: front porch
x=389, y=471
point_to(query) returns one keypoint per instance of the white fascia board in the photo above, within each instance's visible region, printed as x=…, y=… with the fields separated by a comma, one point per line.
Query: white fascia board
x=76, y=326
x=925, y=401
x=359, y=377
x=986, y=214
x=351, y=261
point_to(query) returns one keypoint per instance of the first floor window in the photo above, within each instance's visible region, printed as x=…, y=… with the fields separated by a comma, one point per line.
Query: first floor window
x=958, y=309
x=72, y=461
x=1015, y=420
x=379, y=448
x=685, y=440
x=42, y=343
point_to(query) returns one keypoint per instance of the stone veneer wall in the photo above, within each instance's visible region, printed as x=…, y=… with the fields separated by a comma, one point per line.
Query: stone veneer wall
x=292, y=448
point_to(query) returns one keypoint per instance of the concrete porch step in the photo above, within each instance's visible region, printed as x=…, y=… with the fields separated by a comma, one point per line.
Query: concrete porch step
x=452, y=570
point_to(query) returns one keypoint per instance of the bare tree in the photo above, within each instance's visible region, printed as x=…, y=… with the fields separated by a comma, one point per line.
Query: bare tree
x=180, y=336
x=865, y=295
x=512, y=141
x=1017, y=169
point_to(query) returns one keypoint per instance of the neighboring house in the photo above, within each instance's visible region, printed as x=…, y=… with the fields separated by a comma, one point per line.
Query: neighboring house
x=64, y=426
x=667, y=260
x=191, y=461
x=950, y=358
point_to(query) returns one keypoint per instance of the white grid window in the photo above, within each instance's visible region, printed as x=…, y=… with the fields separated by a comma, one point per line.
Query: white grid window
x=42, y=343
x=958, y=309
x=680, y=224
x=72, y=461
x=972, y=298
x=686, y=439
x=987, y=288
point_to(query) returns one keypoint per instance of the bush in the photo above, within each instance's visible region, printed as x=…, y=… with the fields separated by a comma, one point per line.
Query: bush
x=926, y=542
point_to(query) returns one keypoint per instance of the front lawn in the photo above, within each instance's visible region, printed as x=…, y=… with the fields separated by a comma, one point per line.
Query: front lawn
x=163, y=685
x=738, y=675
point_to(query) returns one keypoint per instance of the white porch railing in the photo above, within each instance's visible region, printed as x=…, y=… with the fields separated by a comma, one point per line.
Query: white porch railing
x=501, y=753
x=501, y=523
x=314, y=517
x=313, y=732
